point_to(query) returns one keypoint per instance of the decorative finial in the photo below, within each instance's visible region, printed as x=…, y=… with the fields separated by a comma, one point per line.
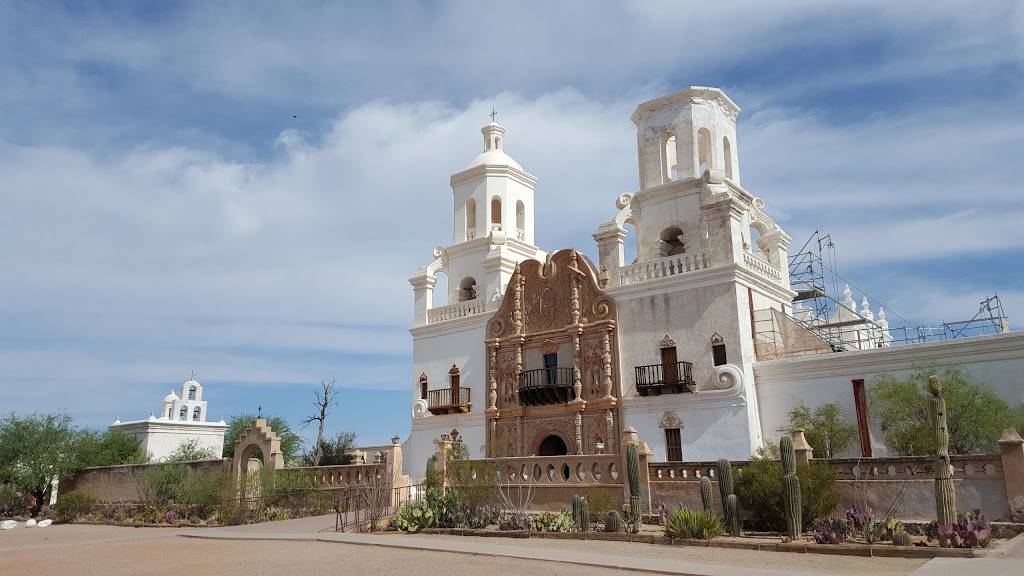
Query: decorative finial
x=493, y=113
x=259, y=412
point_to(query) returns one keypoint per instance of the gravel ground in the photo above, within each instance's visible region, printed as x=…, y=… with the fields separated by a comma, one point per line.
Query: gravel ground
x=824, y=564
x=112, y=551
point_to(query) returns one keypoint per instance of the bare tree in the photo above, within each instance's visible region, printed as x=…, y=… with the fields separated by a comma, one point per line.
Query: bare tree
x=324, y=399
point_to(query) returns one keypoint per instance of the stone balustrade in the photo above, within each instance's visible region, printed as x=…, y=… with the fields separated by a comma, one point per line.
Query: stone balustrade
x=761, y=268
x=455, y=311
x=342, y=476
x=662, y=268
x=555, y=470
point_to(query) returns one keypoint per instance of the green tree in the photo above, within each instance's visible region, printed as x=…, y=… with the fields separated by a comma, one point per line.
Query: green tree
x=333, y=451
x=291, y=443
x=976, y=415
x=826, y=428
x=35, y=450
x=107, y=448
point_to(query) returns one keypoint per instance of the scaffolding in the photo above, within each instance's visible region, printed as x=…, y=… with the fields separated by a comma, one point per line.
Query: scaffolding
x=820, y=322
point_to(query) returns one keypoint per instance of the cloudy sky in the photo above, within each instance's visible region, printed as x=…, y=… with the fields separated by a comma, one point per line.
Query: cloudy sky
x=245, y=187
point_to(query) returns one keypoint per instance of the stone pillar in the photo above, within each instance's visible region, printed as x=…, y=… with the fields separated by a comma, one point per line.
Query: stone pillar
x=423, y=297
x=803, y=450
x=441, y=448
x=610, y=240
x=1011, y=450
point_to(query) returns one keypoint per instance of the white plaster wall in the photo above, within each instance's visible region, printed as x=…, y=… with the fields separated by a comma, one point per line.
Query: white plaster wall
x=710, y=430
x=997, y=360
x=419, y=446
x=161, y=439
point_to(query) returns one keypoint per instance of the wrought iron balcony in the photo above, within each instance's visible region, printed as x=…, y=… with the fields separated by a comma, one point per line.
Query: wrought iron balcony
x=545, y=386
x=448, y=400
x=670, y=379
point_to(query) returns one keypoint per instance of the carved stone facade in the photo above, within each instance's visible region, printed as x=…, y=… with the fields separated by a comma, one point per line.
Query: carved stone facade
x=555, y=329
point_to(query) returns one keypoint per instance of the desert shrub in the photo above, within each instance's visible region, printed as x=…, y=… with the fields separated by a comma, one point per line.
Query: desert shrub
x=687, y=523
x=514, y=521
x=601, y=502
x=12, y=501
x=202, y=493
x=161, y=482
x=553, y=522
x=827, y=428
x=759, y=489
x=73, y=505
x=831, y=530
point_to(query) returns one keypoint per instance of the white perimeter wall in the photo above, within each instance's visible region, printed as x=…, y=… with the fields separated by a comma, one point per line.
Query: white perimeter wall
x=996, y=360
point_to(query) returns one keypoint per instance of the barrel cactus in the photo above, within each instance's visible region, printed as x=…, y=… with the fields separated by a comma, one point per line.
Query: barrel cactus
x=945, y=493
x=790, y=488
x=705, y=493
x=581, y=513
x=613, y=522
x=902, y=539
x=730, y=508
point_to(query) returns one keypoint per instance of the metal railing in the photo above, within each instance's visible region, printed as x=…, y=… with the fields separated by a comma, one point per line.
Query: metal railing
x=545, y=386
x=655, y=378
x=447, y=399
x=364, y=510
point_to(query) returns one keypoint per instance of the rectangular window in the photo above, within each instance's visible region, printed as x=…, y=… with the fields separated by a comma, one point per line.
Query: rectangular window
x=718, y=352
x=673, y=445
x=551, y=368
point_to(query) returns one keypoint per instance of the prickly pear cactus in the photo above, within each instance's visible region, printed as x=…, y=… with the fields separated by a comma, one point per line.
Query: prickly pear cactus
x=581, y=513
x=705, y=493
x=613, y=522
x=790, y=489
x=945, y=493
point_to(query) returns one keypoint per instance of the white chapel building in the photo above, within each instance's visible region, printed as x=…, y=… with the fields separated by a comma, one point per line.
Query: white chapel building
x=182, y=419
x=697, y=344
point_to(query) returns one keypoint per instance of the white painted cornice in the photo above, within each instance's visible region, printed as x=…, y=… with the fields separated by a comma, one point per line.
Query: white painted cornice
x=987, y=348
x=452, y=326
x=486, y=170
x=687, y=95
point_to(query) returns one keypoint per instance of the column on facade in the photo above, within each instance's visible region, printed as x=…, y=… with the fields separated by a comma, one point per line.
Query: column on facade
x=423, y=297
x=611, y=239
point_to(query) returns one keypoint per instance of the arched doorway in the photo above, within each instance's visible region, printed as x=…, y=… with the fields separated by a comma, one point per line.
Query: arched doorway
x=552, y=446
x=257, y=454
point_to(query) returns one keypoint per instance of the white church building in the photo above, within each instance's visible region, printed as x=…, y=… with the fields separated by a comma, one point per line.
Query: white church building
x=182, y=419
x=697, y=344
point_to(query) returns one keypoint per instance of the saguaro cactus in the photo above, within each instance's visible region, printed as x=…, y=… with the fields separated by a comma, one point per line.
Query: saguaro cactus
x=945, y=493
x=725, y=490
x=633, y=475
x=705, y=493
x=581, y=513
x=790, y=488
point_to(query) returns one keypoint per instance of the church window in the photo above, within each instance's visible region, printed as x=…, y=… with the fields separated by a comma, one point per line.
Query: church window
x=670, y=164
x=704, y=150
x=470, y=219
x=453, y=380
x=183, y=413
x=191, y=392
x=520, y=217
x=496, y=213
x=467, y=289
x=669, y=364
x=727, y=150
x=195, y=414
x=170, y=412
x=673, y=445
x=671, y=242
x=423, y=386
x=718, y=350
x=551, y=368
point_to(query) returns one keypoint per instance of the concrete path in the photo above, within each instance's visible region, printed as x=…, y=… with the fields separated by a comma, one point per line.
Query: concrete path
x=1008, y=561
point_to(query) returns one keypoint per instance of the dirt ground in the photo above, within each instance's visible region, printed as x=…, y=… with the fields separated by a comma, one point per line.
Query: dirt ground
x=75, y=550
x=111, y=551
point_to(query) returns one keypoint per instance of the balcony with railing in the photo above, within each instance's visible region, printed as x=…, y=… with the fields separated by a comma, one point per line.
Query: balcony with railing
x=662, y=268
x=545, y=386
x=453, y=400
x=657, y=379
x=455, y=311
x=758, y=265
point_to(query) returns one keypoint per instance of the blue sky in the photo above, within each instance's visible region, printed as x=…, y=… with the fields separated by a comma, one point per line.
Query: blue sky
x=245, y=187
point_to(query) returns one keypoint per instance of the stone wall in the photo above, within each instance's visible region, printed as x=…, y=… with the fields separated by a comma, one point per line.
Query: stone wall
x=126, y=484
x=980, y=484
